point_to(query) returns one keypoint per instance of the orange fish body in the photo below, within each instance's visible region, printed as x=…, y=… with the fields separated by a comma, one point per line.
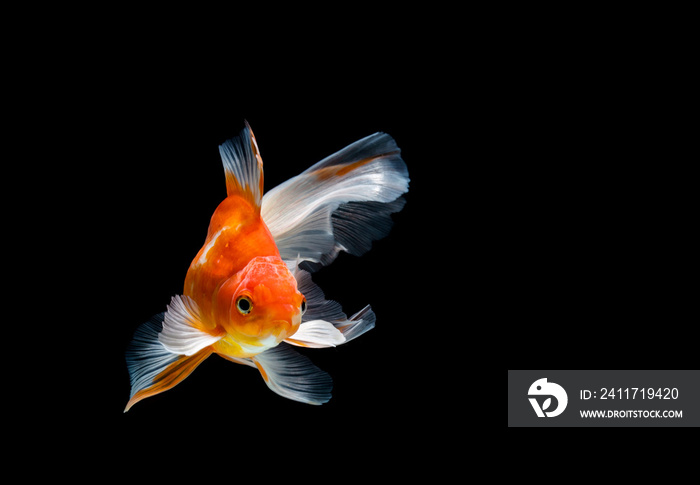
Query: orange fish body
x=239, y=259
x=242, y=301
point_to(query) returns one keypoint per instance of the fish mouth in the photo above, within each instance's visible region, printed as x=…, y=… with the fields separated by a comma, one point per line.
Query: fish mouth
x=278, y=331
x=260, y=345
x=283, y=329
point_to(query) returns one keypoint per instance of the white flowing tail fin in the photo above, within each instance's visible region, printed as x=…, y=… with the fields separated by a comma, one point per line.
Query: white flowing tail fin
x=341, y=203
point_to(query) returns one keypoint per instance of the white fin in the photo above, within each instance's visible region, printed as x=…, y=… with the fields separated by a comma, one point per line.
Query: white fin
x=238, y=360
x=243, y=166
x=146, y=357
x=153, y=368
x=318, y=308
x=181, y=328
x=361, y=322
x=293, y=376
x=316, y=334
x=341, y=203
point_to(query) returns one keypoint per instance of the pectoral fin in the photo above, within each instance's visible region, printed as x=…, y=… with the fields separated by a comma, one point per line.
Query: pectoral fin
x=316, y=334
x=183, y=328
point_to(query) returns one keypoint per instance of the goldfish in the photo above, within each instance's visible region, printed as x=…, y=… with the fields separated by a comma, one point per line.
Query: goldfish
x=248, y=294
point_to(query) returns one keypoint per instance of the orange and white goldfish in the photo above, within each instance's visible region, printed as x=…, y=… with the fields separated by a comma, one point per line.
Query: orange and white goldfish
x=245, y=297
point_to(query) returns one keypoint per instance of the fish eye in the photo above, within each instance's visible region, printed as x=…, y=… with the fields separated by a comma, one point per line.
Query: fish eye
x=244, y=305
x=303, y=306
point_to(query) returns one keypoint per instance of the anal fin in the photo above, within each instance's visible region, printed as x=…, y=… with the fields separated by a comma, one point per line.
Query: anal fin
x=293, y=376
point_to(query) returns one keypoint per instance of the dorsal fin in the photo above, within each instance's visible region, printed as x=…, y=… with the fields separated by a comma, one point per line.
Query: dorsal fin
x=243, y=166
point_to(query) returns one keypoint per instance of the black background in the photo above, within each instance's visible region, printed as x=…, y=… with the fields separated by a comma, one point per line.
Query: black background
x=532, y=233
x=685, y=397
x=546, y=225
x=160, y=184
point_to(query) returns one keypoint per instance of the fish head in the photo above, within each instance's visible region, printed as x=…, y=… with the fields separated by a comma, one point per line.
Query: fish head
x=262, y=303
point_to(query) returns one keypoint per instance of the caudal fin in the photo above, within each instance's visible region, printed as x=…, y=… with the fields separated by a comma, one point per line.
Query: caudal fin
x=342, y=203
